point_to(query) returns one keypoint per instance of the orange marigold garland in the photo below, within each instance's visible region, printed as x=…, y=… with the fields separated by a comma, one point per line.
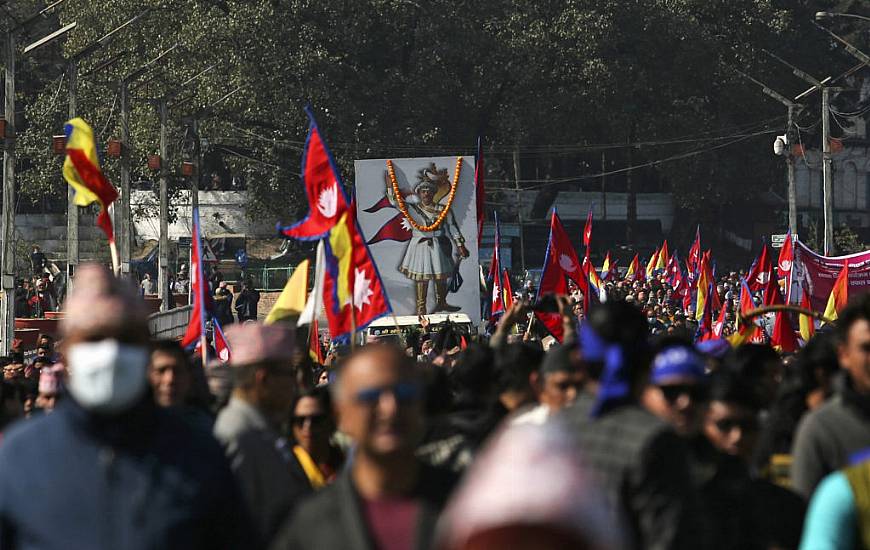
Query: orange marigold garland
x=400, y=201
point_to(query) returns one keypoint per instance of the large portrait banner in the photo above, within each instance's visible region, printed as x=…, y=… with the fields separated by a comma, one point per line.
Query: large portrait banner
x=419, y=219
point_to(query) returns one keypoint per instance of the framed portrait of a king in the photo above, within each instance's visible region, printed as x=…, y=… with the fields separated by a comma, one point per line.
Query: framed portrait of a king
x=419, y=218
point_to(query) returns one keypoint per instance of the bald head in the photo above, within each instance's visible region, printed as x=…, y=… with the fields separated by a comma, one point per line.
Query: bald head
x=379, y=401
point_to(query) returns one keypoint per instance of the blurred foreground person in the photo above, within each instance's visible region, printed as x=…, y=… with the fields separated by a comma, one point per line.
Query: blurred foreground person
x=828, y=436
x=386, y=498
x=528, y=490
x=839, y=510
x=639, y=461
x=250, y=425
x=108, y=469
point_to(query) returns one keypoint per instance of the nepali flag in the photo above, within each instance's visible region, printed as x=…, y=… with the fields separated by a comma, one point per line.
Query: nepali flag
x=719, y=325
x=560, y=266
x=397, y=229
x=382, y=203
x=81, y=169
x=587, y=230
x=497, y=302
x=760, y=272
x=353, y=293
x=745, y=302
x=202, y=304
x=322, y=181
x=221, y=348
x=784, y=264
x=479, y=188
x=783, y=337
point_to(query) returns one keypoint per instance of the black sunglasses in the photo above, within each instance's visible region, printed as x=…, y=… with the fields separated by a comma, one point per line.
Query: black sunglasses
x=672, y=392
x=315, y=419
x=725, y=425
x=404, y=393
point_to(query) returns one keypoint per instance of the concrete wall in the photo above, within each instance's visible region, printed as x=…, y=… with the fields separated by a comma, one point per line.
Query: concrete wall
x=215, y=208
x=850, y=186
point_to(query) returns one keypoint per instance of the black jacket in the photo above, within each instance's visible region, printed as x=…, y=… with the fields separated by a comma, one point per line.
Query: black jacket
x=642, y=465
x=333, y=518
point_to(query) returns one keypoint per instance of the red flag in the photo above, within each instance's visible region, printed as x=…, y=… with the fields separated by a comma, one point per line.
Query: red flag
x=397, y=229
x=719, y=325
x=322, y=182
x=783, y=336
x=497, y=299
x=560, y=265
x=587, y=231
x=760, y=272
x=198, y=286
x=634, y=272
x=479, y=188
x=694, y=258
x=507, y=291
x=314, y=349
x=784, y=263
x=221, y=348
x=352, y=284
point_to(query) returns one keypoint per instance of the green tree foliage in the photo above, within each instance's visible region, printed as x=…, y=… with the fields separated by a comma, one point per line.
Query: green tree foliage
x=392, y=78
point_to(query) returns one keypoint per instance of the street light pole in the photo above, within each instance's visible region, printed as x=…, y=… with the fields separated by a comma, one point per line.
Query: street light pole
x=789, y=157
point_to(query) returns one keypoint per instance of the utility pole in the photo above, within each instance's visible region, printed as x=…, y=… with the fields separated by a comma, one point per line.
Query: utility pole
x=793, y=108
x=72, y=210
x=519, y=208
x=123, y=215
x=827, y=173
x=8, y=254
x=163, y=251
x=603, y=187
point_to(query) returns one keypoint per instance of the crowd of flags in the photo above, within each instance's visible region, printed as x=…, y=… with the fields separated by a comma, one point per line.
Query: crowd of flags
x=348, y=287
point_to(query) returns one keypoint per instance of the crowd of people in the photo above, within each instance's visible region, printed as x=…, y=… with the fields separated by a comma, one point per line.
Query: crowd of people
x=627, y=434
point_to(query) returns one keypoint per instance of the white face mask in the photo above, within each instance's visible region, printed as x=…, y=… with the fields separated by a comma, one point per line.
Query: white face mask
x=107, y=376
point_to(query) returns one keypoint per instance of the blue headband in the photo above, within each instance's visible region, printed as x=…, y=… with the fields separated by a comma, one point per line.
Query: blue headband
x=615, y=387
x=677, y=361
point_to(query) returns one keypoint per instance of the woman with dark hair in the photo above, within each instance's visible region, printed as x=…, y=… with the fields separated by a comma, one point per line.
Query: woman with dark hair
x=807, y=384
x=312, y=426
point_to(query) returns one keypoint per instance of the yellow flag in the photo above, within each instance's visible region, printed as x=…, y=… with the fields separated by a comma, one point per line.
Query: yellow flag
x=291, y=301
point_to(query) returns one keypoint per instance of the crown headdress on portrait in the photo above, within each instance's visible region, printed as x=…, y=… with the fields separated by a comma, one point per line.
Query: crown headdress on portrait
x=432, y=175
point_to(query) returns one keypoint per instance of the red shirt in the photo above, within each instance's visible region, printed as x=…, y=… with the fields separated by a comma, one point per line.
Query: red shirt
x=392, y=522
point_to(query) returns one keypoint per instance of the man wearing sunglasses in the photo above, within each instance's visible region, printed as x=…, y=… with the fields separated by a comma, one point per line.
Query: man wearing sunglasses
x=386, y=498
x=249, y=427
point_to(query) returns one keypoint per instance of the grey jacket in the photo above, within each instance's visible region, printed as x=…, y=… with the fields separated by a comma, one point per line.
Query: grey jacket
x=268, y=476
x=828, y=436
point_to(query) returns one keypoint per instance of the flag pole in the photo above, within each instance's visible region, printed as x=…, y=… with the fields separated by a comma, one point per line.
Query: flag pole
x=116, y=264
x=203, y=344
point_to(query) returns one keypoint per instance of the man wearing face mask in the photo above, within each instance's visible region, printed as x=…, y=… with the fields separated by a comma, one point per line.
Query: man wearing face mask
x=113, y=470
